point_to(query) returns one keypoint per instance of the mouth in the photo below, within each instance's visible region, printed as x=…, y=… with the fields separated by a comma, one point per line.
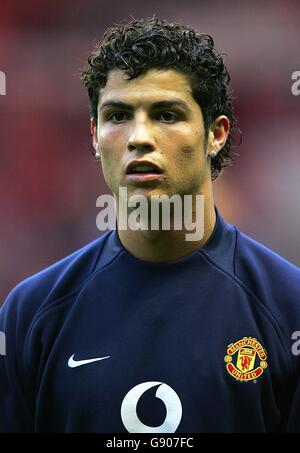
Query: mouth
x=143, y=171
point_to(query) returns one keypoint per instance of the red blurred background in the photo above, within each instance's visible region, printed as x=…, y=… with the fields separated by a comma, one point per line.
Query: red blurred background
x=49, y=179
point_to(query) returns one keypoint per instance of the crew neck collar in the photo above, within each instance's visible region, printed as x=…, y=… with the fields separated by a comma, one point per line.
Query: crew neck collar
x=218, y=245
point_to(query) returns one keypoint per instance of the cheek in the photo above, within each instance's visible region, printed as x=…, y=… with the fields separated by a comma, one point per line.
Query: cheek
x=192, y=155
x=110, y=138
x=190, y=170
x=188, y=139
x=188, y=152
x=112, y=144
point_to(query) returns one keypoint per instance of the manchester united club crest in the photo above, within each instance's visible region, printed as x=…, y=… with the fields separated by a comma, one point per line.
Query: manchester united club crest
x=246, y=359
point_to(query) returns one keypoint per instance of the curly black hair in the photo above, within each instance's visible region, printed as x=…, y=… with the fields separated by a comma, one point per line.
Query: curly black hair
x=144, y=44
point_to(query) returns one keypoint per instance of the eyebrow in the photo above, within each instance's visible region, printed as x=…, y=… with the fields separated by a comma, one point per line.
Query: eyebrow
x=156, y=105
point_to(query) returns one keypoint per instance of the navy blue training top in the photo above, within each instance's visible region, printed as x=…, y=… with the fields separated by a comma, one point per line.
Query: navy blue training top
x=102, y=341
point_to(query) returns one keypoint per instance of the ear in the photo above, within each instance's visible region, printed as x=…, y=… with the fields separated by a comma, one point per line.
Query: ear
x=218, y=134
x=93, y=128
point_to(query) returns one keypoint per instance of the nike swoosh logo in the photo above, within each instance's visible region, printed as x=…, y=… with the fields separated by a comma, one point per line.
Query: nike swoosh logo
x=75, y=363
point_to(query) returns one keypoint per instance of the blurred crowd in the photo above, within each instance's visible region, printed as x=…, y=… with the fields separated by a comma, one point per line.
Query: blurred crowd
x=49, y=179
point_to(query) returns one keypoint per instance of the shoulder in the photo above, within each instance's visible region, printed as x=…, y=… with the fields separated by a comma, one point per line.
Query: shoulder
x=254, y=258
x=271, y=278
x=35, y=311
x=55, y=284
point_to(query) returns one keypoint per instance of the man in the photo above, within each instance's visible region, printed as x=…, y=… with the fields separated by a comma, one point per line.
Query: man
x=143, y=330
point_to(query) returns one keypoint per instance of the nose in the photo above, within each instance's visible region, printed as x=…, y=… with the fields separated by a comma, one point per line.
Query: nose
x=141, y=137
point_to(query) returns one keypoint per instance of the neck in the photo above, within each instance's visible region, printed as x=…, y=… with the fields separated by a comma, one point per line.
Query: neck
x=171, y=244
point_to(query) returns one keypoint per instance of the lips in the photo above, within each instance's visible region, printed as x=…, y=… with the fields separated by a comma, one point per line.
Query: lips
x=142, y=167
x=143, y=172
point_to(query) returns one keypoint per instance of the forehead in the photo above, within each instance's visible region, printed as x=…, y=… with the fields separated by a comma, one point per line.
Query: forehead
x=154, y=85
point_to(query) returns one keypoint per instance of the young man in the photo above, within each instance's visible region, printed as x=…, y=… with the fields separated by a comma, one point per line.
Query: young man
x=143, y=330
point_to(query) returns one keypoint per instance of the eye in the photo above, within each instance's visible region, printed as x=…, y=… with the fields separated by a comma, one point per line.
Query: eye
x=118, y=117
x=121, y=116
x=169, y=117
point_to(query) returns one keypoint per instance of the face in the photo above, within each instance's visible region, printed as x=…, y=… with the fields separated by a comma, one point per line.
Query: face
x=152, y=118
